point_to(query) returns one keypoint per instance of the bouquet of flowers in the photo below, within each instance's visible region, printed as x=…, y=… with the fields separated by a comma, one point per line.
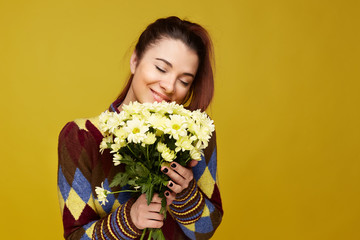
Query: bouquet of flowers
x=146, y=137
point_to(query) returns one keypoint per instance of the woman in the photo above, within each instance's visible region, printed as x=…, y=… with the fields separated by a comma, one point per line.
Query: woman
x=171, y=62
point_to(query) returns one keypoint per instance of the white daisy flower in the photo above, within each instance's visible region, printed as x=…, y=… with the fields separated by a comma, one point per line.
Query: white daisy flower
x=157, y=121
x=161, y=147
x=133, y=108
x=184, y=143
x=136, y=130
x=195, y=154
x=168, y=155
x=176, y=126
x=115, y=147
x=101, y=194
x=150, y=138
x=117, y=159
x=103, y=118
x=104, y=142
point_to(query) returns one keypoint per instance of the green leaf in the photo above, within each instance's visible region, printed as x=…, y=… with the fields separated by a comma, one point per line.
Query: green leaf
x=120, y=179
x=127, y=161
x=165, y=182
x=127, y=158
x=146, y=185
x=163, y=207
x=140, y=170
x=132, y=182
x=150, y=194
x=158, y=234
x=157, y=180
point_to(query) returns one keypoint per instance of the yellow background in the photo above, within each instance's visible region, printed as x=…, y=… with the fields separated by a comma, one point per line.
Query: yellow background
x=286, y=106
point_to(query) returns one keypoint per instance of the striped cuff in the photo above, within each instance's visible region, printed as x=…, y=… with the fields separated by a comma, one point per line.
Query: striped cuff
x=117, y=225
x=188, y=205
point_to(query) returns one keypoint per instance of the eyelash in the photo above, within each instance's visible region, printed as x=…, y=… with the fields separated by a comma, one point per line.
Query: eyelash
x=184, y=83
x=163, y=71
x=160, y=69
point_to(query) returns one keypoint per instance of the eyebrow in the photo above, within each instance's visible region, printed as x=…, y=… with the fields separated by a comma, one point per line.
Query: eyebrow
x=170, y=65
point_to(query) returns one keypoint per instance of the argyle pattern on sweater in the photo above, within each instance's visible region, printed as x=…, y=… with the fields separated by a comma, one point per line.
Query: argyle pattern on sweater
x=82, y=167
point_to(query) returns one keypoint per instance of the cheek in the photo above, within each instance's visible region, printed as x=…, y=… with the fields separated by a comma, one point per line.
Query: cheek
x=148, y=75
x=181, y=93
x=142, y=78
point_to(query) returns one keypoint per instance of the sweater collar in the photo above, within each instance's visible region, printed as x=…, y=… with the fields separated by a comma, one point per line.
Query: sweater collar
x=114, y=106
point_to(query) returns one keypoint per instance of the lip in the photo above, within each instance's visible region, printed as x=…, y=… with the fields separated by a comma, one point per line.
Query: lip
x=159, y=97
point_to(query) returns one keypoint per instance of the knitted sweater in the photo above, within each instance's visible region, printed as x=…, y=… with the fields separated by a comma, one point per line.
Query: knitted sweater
x=195, y=213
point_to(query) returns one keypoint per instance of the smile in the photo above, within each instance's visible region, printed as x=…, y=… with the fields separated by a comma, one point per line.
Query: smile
x=159, y=97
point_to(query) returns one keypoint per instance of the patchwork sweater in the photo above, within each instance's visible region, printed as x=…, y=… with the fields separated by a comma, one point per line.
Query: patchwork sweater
x=195, y=213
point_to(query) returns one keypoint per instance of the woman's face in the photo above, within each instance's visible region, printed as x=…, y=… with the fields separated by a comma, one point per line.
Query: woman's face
x=164, y=73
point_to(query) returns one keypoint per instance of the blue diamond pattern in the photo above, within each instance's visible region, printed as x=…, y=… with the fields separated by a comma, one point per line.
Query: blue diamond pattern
x=199, y=169
x=210, y=206
x=63, y=185
x=86, y=226
x=204, y=225
x=81, y=186
x=212, y=164
x=187, y=232
x=124, y=197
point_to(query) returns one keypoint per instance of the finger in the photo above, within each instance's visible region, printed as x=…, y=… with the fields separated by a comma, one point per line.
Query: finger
x=182, y=171
x=154, y=216
x=156, y=198
x=193, y=163
x=174, y=187
x=170, y=197
x=149, y=223
x=175, y=177
x=154, y=207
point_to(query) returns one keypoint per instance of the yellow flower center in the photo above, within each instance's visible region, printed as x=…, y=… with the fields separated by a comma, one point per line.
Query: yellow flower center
x=136, y=130
x=176, y=127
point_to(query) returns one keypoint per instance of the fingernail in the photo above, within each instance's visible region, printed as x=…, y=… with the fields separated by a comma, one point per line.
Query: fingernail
x=165, y=170
x=171, y=184
x=167, y=194
x=173, y=165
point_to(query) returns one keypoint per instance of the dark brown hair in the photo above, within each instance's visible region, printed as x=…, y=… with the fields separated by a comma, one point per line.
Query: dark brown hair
x=196, y=38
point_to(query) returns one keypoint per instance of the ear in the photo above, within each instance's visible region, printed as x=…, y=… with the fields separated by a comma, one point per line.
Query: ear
x=133, y=62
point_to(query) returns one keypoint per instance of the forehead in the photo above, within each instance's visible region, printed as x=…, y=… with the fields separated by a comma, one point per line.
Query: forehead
x=173, y=51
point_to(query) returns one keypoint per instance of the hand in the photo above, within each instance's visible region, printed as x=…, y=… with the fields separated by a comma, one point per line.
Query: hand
x=180, y=179
x=147, y=216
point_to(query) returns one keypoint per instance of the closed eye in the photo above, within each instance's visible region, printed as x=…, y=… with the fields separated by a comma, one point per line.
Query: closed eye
x=184, y=83
x=160, y=69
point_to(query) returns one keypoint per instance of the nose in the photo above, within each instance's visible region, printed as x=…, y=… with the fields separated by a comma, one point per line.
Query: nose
x=168, y=85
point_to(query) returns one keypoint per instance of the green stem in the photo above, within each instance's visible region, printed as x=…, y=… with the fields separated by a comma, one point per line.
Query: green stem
x=147, y=152
x=124, y=191
x=151, y=231
x=160, y=162
x=143, y=234
x=130, y=150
